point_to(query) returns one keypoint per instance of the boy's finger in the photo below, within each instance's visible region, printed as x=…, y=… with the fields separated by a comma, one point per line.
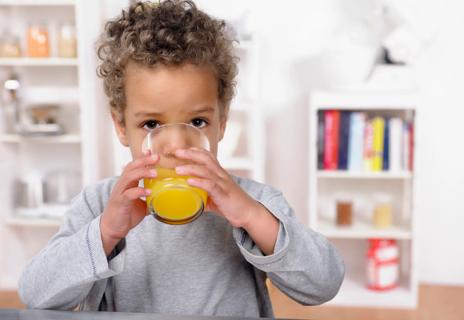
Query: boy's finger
x=131, y=178
x=135, y=193
x=196, y=155
x=212, y=187
x=194, y=170
x=144, y=161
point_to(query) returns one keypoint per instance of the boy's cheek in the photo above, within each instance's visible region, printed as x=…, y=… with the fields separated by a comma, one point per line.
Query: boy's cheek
x=135, y=145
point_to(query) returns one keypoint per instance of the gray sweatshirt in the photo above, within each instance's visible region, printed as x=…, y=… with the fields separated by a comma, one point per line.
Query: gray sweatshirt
x=206, y=267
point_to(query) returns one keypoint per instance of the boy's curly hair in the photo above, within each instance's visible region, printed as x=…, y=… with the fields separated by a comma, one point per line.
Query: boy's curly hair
x=171, y=32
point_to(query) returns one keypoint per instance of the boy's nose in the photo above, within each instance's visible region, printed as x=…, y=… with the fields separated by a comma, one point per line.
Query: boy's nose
x=177, y=139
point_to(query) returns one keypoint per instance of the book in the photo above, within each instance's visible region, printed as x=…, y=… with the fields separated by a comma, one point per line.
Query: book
x=411, y=146
x=332, y=127
x=368, y=152
x=356, y=141
x=386, y=146
x=405, y=147
x=378, y=124
x=395, y=144
x=343, y=140
x=320, y=139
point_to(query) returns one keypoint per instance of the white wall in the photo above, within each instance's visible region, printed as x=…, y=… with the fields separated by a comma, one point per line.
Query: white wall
x=441, y=180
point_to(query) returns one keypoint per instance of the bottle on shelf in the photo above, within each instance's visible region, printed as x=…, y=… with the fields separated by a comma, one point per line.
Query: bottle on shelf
x=9, y=45
x=383, y=211
x=10, y=105
x=38, y=41
x=67, y=43
x=344, y=211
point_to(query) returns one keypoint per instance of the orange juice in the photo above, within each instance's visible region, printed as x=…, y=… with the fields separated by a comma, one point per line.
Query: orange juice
x=172, y=199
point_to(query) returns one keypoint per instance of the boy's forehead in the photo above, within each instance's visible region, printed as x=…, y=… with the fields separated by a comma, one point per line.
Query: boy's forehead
x=182, y=89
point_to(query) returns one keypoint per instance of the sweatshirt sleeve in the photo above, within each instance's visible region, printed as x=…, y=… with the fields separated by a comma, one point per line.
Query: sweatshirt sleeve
x=304, y=265
x=73, y=264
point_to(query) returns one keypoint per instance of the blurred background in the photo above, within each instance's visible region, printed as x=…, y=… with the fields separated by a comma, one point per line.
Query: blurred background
x=352, y=108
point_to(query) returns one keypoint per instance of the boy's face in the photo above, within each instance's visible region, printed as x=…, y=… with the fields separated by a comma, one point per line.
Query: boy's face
x=167, y=95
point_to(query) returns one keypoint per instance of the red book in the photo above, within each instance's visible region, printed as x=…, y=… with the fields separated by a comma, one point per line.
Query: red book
x=332, y=134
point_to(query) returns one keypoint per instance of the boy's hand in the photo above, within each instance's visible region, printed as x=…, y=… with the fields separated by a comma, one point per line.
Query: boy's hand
x=125, y=209
x=224, y=195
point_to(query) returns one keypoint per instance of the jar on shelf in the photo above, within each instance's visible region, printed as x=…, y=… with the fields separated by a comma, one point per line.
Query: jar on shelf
x=383, y=211
x=9, y=45
x=382, y=264
x=38, y=41
x=344, y=211
x=67, y=42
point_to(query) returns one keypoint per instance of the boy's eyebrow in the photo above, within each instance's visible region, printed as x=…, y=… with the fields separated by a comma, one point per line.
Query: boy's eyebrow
x=152, y=114
x=203, y=109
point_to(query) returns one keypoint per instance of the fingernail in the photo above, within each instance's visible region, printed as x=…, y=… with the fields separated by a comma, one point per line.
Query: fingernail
x=154, y=157
x=153, y=173
x=180, y=170
x=147, y=192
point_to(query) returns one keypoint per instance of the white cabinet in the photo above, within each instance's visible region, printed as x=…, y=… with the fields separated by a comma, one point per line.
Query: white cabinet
x=327, y=186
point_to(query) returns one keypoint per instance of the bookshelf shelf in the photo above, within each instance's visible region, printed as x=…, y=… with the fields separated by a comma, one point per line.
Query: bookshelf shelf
x=392, y=176
x=38, y=62
x=360, y=101
x=362, y=230
x=60, y=139
x=338, y=174
x=360, y=296
x=33, y=222
x=36, y=3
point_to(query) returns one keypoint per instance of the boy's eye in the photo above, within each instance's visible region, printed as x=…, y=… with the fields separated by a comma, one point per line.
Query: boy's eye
x=199, y=123
x=150, y=124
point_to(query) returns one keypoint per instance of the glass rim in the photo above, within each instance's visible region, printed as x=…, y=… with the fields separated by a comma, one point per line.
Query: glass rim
x=151, y=132
x=172, y=125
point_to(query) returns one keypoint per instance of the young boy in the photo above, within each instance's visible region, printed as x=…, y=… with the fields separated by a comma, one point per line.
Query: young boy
x=171, y=63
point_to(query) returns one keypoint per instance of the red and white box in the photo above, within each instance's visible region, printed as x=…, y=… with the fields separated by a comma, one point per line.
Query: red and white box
x=382, y=264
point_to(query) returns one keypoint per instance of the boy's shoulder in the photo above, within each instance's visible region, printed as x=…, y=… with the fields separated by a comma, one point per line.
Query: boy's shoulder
x=101, y=188
x=95, y=196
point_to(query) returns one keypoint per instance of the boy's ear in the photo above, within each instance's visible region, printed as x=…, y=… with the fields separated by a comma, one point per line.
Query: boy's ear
x=222, y=127
x=120, y=128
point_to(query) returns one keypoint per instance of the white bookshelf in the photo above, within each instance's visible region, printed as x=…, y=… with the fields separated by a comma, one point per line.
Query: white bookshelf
x=70, y=83
x=325, y=186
